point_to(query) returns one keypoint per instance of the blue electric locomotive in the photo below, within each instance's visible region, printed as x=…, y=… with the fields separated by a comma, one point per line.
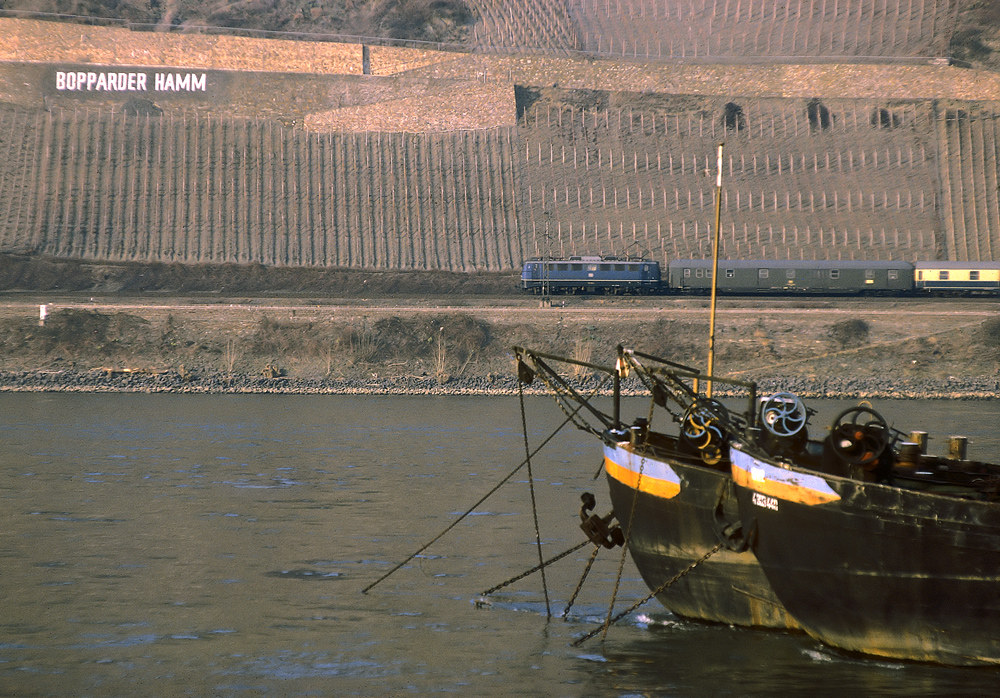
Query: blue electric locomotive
x=591, y=275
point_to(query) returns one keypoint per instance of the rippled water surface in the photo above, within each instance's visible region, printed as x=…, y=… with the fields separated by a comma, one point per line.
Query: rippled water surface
x=166, y=545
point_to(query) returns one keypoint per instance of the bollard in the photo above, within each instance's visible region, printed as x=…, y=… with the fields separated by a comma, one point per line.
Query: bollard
x=957, y=446
x=909, y=454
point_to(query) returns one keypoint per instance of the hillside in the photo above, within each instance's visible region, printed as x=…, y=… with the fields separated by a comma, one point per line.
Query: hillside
x=558, y=129
x=425, y=20
x=974, y=38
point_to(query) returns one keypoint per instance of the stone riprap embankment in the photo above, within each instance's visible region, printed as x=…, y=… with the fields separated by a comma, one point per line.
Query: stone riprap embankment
x=975, y=388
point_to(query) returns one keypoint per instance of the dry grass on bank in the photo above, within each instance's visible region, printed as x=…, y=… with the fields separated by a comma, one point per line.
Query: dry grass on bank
x=458, y=345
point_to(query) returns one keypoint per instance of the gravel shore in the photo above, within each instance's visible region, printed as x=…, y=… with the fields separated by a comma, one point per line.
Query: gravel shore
x=95, y=381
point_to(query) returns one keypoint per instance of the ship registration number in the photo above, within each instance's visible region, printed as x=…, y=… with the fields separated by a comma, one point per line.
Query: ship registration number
x=765, y=502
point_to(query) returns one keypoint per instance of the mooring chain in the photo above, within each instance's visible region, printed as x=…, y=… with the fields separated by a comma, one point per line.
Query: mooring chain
x=628, y=532
x=559, y=397
x=534, y=505
x=663, y=587
x=534, y=569
x=583, y=578
x=469, y=510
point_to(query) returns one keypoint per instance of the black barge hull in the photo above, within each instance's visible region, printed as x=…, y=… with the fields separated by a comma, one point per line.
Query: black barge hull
x=876, y=569
x=674, y=523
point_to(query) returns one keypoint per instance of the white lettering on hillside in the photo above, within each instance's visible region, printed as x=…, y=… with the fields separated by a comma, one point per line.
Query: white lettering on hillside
x=179, y=82
x=107, y=81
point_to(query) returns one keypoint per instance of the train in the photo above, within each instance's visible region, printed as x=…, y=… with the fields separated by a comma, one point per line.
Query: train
x=629, y=275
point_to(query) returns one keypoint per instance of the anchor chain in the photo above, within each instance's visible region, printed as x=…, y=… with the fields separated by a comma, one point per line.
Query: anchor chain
x=599, y=531
x=534, y=569
x=579, y=585
x=621, y=561
x=663, y=587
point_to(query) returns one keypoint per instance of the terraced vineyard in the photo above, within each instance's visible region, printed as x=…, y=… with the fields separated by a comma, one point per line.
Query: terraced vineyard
x=428, y=169
x=667, y=29
x=969, y=139
x=840, y=179
x=113, y=186
x=802, y=180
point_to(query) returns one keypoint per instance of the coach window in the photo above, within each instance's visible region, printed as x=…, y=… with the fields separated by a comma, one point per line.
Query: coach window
x=789, y=273
x=763, y=273
x=893, y=274
x=973, y=276
x=869, y=274
x=699, y=273
x=687, y=273
x=942, y=276
x=835, y=273
x=730, y=273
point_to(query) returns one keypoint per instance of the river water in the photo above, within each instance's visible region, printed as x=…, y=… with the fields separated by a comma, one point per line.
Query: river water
x=169, y=545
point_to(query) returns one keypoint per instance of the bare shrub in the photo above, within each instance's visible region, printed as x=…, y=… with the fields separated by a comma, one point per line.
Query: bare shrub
x=429, y=20
x=582, y=351
x=849, y=333
x=79, y=333
x=365, y=345
x=275, y=338
x=231, y=354
x=418, y=337
x=441, y=360
x=989, y=336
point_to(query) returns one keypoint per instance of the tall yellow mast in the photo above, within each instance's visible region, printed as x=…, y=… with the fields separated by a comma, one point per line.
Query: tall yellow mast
x=715, y=271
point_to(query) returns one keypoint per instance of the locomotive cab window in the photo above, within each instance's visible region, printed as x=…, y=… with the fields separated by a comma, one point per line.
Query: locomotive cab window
x=591, y=267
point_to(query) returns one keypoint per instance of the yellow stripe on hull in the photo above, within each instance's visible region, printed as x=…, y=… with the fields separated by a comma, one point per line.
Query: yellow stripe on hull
x=774, y=481
x=648, y=475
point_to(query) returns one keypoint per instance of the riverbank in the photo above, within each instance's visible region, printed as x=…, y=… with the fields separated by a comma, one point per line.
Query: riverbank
x=834, y=348
x=104, y=381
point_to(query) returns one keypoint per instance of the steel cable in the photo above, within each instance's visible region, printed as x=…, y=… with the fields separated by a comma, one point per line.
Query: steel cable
x=481, y=500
